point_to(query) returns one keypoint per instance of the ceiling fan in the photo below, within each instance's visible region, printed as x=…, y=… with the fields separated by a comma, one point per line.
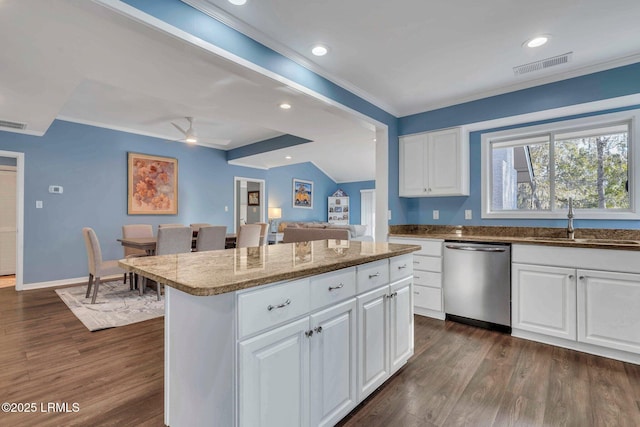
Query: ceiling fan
x=189, y=134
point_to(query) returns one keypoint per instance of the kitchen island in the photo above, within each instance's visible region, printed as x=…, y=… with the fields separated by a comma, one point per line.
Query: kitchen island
x=294, y=334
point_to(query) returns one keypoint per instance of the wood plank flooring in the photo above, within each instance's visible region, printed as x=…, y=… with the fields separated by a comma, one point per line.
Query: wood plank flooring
x=459, y=375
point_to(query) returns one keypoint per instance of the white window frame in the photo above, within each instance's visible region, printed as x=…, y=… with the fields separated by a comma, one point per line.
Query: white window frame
x=631, y=116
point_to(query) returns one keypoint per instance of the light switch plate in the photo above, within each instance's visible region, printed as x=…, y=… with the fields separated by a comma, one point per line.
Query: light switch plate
x=468, y=214
x=436, y=214
x=38, y=204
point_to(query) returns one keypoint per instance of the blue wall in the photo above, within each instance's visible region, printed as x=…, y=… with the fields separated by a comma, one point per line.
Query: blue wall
x=353, y=191
x=281, y=191
x=91, y=164
x=593, y=87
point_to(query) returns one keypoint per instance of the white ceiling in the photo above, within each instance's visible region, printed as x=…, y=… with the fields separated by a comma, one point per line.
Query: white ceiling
x=79, y=61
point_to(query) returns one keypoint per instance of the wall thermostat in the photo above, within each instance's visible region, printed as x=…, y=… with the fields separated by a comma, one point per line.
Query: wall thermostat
x=55, y=189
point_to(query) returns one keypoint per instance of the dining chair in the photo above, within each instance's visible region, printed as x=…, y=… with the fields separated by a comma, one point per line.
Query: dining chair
x=170, y=225
x=196, y=227
x=263, y=232
x=211, y=238
x=135, y=230
x=171, y=240
x=97, y=266
x=248, y=236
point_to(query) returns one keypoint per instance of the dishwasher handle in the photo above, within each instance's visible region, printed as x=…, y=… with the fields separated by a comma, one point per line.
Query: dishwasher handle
x=475, y=248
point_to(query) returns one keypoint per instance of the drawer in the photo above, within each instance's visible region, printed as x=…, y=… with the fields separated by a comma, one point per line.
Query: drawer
x=427, y=263
x=426, y=297
x=267, y=307
x=400, y=266
x=427, y=278
x=372, y=275
x=332, y=287
x=429, y=247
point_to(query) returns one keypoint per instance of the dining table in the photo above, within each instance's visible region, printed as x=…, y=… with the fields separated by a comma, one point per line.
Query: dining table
x=148, y=244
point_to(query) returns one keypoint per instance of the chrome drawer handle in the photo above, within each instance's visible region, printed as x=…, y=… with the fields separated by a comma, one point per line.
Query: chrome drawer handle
x=333, y=288
x=371, y=276
x=416, y=293
x=284, y=304
x=400, y=267
x=416, y=277
x=318, y=329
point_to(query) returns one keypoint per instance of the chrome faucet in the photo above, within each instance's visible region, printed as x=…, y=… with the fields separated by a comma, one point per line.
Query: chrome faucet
x=570, y=229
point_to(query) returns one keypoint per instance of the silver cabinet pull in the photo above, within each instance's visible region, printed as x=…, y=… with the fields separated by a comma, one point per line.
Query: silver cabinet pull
x=581, y=277
x=308, y=333
x=333, y=288
x=318, y=329
x=571, y=276
x=416, y=277
x=400, y=267
x=416, y=292
x=284, y=304
x=371, y=276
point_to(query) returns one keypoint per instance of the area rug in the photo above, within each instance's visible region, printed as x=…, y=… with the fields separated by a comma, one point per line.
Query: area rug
x=115, y=306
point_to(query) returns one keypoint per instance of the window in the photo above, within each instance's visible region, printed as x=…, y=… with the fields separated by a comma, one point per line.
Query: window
x=532, y=172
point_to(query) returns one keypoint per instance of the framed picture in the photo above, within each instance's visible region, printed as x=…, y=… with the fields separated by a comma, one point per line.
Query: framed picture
x=302, y=194
x=254, y=198
x=152, y=185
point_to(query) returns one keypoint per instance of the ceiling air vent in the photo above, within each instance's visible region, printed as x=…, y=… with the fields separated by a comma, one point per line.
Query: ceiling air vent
x=12, y=125
x=542, y=64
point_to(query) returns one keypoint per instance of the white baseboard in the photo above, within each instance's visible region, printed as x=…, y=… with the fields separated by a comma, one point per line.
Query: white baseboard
x=578, y=346
x=64, y=282
x=428, y=313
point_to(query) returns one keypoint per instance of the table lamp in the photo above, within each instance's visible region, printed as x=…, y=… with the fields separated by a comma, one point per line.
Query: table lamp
x=274, y=213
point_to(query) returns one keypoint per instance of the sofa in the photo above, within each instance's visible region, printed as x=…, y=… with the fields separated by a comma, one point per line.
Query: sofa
x=356, y=231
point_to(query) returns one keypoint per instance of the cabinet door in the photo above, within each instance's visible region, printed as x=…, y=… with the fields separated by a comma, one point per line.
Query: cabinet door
x=413, y=154
x=333, y=363
x=444, y=165
x=373, y=340
x=400, y=323
x=609, y=309
x=544, y=300
x=273, y=375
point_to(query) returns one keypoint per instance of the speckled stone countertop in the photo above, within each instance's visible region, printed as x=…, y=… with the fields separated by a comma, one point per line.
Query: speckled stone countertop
x=595, y=238
x=218, y=272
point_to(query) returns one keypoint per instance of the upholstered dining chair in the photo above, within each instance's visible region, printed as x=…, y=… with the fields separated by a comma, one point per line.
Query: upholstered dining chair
x=196, y=227
x=170, y=225
x=264, y=229
x=171, y=240
x=97, y=266
x=211, y=238
x=248, y=236
x=135, y=230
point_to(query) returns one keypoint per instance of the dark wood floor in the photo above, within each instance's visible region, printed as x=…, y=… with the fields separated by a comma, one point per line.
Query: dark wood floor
x=459, y=375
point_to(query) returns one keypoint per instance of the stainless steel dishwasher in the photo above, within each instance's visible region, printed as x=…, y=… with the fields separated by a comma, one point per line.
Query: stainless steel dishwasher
x=477, y=284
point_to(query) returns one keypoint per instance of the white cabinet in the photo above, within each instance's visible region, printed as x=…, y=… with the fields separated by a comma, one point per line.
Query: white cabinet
x=333, y=363
x=427, y=276
x=274, y=377
x=544, y=300
x=434, y=164
x=385, y=335
x=560, y=296
x=609, y=309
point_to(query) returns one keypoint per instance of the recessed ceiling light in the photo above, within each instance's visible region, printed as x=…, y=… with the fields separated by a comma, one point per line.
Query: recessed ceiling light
x=285, y=106
x=537, y=41
x=238, y=2
x=287, y=157
x=319, y=50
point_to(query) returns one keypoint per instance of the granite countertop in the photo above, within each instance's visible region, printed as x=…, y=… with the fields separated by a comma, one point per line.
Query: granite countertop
x=584, y=237
x=217, y=272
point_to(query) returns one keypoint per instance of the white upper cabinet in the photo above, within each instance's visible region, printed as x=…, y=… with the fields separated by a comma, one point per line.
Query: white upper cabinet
x=434, y=164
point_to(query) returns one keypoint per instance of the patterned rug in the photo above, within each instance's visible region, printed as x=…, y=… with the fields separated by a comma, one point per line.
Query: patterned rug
x=115, y=306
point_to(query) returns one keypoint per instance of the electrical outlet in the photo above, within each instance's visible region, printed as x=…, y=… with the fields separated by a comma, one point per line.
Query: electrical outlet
x=468, y=214
x=389, y=214
x=38, y=204
x=226, y=208
x=436, y=214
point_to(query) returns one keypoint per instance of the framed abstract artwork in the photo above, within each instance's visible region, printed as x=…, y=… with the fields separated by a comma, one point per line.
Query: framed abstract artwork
x=152, y=185
x=253, y=198
x=302, y=193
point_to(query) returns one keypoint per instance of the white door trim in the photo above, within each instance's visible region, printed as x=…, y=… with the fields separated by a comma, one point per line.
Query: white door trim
x=19, y=213
x=263, y=201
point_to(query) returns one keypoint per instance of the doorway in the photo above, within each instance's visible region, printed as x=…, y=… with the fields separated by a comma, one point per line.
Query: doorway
x=249, y=201
x=11, y=218
x=368, y=211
